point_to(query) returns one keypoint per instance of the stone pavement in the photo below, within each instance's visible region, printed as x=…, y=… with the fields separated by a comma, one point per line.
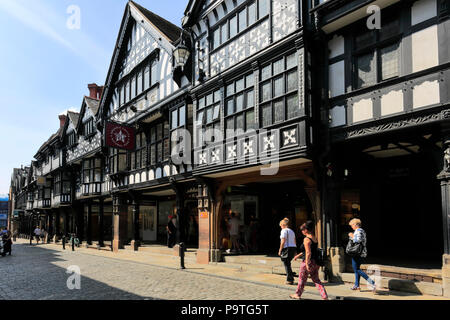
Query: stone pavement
x=39, y=272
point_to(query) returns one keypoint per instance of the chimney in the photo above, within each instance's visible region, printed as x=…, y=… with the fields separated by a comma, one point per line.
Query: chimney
x=95, y=91
x=62, y=120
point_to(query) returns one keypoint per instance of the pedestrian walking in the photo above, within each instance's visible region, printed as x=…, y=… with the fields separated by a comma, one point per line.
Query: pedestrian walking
x=43, y=235
x=308, y=267
x=357, y=249
x=7, y=242
x=37, y=234
x=288, y=249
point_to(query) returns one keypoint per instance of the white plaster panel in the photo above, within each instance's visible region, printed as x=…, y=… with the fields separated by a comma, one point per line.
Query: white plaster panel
x=336, y=46
x=423, y=10
x=284, y=18
x=426, y=94
x=144, y=177
x=137, y=178
x=362, y=110
x=338, y=116
x=392, y=103
x=425, y=41
x=336, y=79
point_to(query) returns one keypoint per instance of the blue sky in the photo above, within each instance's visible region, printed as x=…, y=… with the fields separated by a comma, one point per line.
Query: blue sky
x=46, y=66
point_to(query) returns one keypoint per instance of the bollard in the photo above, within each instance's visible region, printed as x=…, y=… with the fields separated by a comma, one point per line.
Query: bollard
x=73, y=242
x=181, y=252
x=64, y=242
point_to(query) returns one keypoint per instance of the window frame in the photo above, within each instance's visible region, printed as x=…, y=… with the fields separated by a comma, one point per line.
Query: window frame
x=284, y=96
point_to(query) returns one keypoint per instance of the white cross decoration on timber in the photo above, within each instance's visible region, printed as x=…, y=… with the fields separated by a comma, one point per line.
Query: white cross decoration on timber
x=215, y=155
x=289, y=137
x=248, y=147
x=269, y=143
x=202, y=158
x=232, y=152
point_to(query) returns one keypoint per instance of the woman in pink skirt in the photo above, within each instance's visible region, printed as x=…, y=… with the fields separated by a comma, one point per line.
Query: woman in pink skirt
x=308, y=266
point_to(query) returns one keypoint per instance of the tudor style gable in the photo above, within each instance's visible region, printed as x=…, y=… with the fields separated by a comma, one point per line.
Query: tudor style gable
x=140, y=73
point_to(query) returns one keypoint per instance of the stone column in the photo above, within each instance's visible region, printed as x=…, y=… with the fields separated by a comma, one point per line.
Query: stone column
x=118, y=207
x=57, y=226
x=101, y=231
x=204, y=226
x=444, y=178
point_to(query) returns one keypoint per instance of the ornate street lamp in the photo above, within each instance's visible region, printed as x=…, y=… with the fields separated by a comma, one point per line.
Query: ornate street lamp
x=181, y=55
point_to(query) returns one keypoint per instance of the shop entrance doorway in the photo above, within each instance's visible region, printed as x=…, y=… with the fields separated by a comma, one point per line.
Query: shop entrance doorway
x=260, y=207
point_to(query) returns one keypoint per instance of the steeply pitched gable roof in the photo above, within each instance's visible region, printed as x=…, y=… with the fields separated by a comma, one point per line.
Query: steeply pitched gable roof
x=165, y=27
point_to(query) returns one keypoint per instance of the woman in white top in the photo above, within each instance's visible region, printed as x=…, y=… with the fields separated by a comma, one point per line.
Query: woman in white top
x=287, y=243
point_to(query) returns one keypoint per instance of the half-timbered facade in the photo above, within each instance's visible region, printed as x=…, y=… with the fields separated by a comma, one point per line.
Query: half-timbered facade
x=142, y=94
x=387, y=106
x=253, y=117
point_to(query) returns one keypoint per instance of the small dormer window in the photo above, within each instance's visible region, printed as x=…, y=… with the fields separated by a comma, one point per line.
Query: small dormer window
x=88, y=127
x=71, y=139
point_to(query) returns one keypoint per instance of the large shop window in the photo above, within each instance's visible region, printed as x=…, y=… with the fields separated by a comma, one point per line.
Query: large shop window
x=138, y=159
x=377, y=55
x=240, y=21
x=239, y=106
x=279, y=91
x=159, y=148
x=208, y=115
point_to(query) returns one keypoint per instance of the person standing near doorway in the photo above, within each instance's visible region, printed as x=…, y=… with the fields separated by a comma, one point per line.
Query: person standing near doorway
x=37, y=234
x=288, y=249
x=171, y=232
x=359, y=236
x=234, y=232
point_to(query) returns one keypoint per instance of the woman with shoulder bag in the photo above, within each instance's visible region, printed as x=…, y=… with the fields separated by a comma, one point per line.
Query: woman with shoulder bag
x=356, y=248
x=288, y=249
x=309, y=266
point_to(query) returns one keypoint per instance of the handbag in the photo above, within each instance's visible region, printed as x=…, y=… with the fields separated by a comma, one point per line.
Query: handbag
x=354, y=249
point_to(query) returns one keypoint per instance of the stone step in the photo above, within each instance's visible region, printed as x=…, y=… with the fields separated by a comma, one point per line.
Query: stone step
x=258, y=261
x=403, y=285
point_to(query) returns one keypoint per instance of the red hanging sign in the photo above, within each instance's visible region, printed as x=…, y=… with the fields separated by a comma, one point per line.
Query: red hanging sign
x=120, y=136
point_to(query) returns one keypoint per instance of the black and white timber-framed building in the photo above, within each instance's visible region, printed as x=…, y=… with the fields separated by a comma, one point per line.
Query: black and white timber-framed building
x=292, y=108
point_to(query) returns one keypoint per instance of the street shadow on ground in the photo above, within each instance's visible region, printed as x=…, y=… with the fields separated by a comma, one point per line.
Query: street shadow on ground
x=35, y=273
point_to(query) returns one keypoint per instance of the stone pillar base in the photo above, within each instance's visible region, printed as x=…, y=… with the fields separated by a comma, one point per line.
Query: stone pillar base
x=446, y=275
x=336, y=264
x=203, y=256
x=116, y=246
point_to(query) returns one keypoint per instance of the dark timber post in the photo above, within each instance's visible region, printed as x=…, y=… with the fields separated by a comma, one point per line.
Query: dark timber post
x=101, y=231
x=89, y=225
x=136, y=238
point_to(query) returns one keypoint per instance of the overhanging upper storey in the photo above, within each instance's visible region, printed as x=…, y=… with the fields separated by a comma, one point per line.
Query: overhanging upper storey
x=332, y=15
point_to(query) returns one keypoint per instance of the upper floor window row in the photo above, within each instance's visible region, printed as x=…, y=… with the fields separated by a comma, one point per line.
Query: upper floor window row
x=135, y=84
x=240, y=21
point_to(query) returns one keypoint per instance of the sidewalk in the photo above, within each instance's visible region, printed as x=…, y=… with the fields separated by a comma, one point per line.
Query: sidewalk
x=335, y=291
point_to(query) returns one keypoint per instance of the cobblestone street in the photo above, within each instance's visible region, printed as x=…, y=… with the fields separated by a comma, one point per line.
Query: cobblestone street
x=40, y=272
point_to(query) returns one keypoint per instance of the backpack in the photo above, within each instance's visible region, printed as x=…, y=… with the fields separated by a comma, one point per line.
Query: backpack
x=321, y=257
